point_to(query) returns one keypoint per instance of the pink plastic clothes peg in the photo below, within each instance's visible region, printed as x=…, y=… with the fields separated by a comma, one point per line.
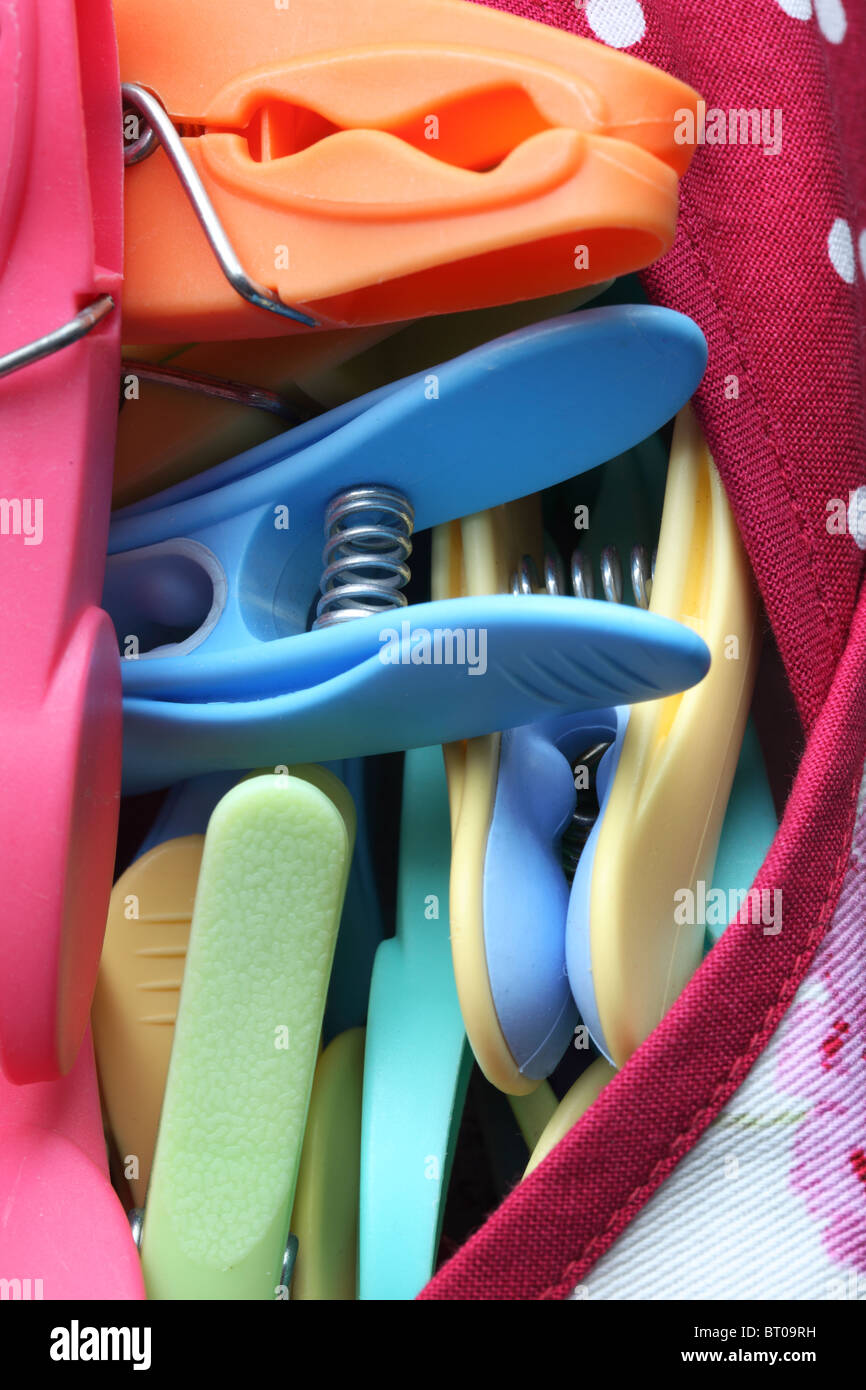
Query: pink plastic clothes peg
x=63, y=1231
x=61, y=172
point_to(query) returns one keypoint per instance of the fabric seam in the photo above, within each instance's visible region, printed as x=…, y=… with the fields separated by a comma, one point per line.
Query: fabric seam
x=688, y=217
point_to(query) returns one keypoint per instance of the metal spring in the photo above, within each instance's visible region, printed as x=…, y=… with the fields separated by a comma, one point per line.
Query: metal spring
x=368, y=541
x=585, y=814
x=160, y=130
x=526, y=580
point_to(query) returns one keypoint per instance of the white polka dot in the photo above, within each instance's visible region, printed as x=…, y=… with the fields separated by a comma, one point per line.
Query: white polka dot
x=861, y=243
x=831, y=19
x=618, y=23
x=857, y=516
x=796, y=9
x=840, y=248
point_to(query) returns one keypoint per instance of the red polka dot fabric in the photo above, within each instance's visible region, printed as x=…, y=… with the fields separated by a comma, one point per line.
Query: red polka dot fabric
x=770, y=260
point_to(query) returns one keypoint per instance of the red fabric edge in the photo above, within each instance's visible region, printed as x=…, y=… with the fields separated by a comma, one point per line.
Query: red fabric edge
x=553, y=1227
x=763, y=496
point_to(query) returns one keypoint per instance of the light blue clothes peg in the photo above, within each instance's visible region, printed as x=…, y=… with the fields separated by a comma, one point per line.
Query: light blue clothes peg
x=532, y=830
x=212, y=583
x=525, y=891
x=417, y=1060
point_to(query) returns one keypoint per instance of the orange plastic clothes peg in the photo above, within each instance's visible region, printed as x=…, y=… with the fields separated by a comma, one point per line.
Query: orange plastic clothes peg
x=385, y=159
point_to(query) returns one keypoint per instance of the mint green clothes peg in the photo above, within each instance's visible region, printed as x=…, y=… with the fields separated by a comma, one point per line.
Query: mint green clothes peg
x=748, y=830
x=417, y=1060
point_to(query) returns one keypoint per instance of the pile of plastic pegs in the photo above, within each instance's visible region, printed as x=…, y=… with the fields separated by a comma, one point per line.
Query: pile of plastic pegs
x=362, y=618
